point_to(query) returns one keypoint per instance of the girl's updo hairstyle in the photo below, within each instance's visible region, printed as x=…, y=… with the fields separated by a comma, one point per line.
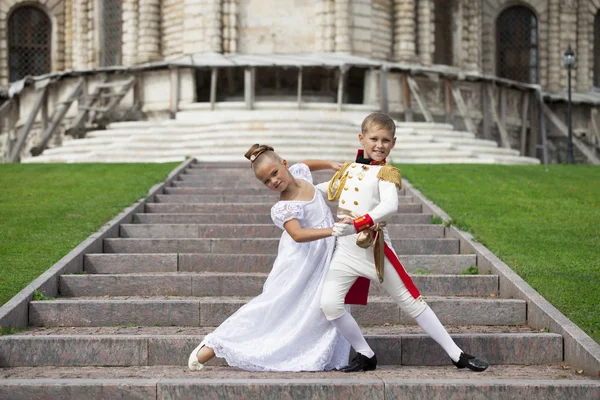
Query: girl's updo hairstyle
x=260, y=152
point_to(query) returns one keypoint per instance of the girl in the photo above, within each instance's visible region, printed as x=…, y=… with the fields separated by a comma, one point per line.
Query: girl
x=283, y=329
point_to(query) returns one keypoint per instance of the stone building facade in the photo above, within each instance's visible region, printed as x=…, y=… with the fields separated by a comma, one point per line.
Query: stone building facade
x=470, y=35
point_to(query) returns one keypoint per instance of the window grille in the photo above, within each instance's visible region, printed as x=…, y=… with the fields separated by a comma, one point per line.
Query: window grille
x=597, y=50
x=112, y=28
x=517, y=45
x=443, y=32
x=29, y=35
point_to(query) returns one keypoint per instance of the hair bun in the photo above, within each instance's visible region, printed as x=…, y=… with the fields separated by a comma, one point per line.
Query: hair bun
x=256, y=150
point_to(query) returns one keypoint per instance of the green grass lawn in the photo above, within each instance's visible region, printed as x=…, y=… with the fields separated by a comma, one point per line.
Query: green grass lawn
x=542, y=221
x=48, y=209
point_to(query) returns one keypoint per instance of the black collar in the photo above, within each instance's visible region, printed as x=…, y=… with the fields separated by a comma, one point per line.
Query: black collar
x=360, y=159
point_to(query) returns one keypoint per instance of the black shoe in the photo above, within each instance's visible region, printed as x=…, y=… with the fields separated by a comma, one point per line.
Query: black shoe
x=471, y=362
x=361, y=363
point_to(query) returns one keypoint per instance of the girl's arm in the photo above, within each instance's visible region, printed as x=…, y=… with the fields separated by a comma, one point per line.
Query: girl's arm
x=319, y=165
x=302, y=235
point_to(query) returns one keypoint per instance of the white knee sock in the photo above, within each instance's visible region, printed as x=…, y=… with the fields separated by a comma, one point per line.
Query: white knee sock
x=430, y=323
x=348, y=327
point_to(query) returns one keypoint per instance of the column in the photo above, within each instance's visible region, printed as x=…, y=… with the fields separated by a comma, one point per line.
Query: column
x=130, y=31
x=193, y=27
x=148, y=47
x=554, y=50
x=426, y=28
x=213, y=23
x=343, y=43
x=404, y=37
x=584, y=23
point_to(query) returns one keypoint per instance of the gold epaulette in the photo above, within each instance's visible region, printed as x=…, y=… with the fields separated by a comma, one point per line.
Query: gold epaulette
x=339, y=179
x=390, y=174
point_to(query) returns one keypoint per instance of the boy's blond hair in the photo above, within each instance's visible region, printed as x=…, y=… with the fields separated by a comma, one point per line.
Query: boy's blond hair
x=380, y=121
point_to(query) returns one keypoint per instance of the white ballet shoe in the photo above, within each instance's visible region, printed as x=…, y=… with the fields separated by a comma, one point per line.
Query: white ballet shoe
x=193, y=363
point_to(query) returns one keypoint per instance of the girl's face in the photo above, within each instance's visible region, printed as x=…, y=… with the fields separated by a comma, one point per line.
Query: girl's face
x=274, y=175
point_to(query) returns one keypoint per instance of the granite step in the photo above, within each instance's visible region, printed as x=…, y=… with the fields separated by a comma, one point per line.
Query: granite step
x=222, y=190
x=236, y=198
x=210, y=218
x=212, y=311
x=71, y=348
x=420, y=231
x=257, y=246
x=230, y=263
x=386, y=382
x=236, y=208
x=247, y=172
x=244, y=284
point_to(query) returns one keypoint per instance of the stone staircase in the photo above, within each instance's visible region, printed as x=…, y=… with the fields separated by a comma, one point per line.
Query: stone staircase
x=226, y=135
x=124, y=327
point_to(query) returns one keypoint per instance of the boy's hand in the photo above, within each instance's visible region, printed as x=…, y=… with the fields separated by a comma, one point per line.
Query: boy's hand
x=342, y=229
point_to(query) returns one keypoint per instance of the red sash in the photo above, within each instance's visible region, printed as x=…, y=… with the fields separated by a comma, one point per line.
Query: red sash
x=359, y=292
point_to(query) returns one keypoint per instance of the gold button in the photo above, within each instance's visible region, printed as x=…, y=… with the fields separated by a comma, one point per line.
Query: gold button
x=346, y=188
x=365, y=168
x=343, y=201
x=356, y=203
x=360, y=178
x=350, y=176
x=353, y=165
x=356, y=189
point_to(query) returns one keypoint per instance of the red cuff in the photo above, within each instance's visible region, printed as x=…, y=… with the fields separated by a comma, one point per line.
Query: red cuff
x=363, y=223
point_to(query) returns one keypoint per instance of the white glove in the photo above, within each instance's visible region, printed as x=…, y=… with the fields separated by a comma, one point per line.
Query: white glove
x=340, y=229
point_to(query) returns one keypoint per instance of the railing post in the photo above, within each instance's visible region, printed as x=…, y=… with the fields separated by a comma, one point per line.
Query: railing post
x=299, y=87
x=249, y=89
x=524, y=120
x=408, y=115
x=384, y=103
x=174, y=79
x=340, y=91
x=214, y=74
x=449, y=109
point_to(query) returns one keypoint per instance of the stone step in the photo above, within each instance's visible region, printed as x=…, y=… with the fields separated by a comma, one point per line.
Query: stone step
x=236, y=198
x=71, y=349
x=212, y=311
x=244, y=284
x=257, y=246
x=236, y=208
x=387, y=382
x=228, y=263
x=208, y=218
x=246, y=171
x=423, y=231
x=514, y=160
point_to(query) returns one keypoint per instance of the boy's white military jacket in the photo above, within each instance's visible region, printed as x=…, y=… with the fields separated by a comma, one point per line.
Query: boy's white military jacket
x=365, y=189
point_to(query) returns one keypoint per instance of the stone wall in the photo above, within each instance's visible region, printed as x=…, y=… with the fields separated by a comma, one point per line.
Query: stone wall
x=277, y=26
x=393, y=30
x=55, y=9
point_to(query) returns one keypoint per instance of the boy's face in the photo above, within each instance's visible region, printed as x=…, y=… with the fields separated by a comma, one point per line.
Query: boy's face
x=377, y=143
x=273, y=174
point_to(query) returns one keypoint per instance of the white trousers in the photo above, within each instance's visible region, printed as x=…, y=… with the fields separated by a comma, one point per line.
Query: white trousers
x=348, y=263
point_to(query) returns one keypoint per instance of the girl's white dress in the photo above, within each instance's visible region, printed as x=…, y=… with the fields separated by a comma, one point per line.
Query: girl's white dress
x=283, y=329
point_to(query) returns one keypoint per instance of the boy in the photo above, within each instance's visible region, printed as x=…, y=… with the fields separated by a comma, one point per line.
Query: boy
x=368, y=195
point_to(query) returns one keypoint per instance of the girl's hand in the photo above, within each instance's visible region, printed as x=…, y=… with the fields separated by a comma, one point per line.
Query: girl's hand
x=346, y=220
x=335, y=165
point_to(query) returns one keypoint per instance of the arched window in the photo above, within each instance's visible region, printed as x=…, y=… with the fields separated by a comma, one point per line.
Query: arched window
x=111, y=39
x=443, y=32
x=597, y=50
x=517, y=45
x=29, y=38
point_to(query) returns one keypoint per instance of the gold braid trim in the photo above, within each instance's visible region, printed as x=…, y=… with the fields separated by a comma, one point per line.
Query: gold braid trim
x=340, y=177
x=390, y=174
